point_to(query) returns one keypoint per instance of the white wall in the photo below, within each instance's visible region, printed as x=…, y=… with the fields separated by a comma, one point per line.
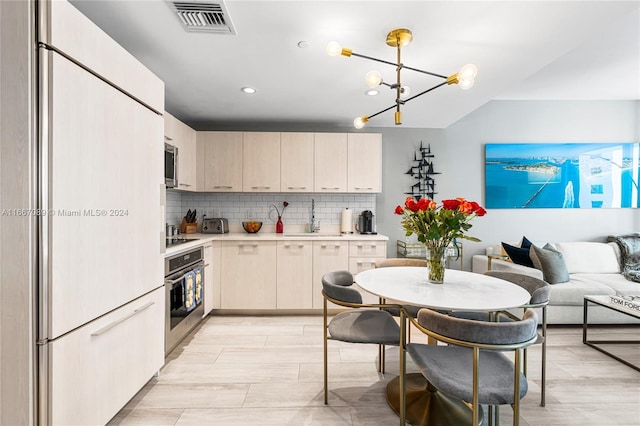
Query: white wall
x=459, y=155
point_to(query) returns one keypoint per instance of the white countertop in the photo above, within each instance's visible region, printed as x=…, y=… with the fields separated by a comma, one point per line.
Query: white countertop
x=202, y=239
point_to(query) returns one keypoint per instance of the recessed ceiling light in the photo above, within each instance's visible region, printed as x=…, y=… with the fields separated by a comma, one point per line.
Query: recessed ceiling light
x=249, y=90
x=303, y=44
x=371, y=92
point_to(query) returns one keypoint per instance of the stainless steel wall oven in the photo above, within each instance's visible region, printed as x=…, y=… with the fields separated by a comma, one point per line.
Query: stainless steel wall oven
x=184, y=283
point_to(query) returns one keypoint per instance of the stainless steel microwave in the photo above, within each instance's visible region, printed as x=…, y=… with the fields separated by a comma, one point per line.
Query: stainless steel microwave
x=170, y=165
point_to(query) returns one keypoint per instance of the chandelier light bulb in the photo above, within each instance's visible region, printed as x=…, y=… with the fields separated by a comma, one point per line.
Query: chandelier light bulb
x=468, y=72
x=466, y=84
x=405, y=91
x=333, y=48
x=358, y=123
x=373, y=79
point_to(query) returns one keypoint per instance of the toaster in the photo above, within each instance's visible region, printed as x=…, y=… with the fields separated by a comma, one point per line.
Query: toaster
x=215, y=225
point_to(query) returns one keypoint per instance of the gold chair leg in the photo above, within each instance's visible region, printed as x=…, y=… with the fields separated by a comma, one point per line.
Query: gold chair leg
x=324, y=335
x=516, y=389
x=403, y=366
x=544, y=356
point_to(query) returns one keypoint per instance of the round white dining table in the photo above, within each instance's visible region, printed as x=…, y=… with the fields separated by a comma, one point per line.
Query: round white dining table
x=461, y=291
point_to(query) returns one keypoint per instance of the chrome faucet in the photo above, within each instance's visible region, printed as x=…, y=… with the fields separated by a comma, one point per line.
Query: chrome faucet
x=312, y=225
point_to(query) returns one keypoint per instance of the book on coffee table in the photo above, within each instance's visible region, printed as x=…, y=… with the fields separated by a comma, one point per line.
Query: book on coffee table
x=629, y=302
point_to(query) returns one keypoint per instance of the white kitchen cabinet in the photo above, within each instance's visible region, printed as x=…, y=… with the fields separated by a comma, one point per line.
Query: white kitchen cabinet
x=212, y=253
x=106, y=362
x=221, y=161
x=364, y=163
x=330, y=162
x=294, y=275
x=362, y=256
x=104, y=241
x=248, y=275
x=184, y=138
x=328, y=256
x=261, y=162
x=296, y=162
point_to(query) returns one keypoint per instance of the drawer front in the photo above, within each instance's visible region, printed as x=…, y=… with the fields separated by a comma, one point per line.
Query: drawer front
x=359, y=264
x=367, y=248
x=104, y=363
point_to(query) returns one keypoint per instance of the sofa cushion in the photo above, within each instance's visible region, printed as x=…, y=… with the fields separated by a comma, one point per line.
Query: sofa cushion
x=519, y=255
x=589, y=258
x=573, y=292
x=616, y=281
x=550, y=262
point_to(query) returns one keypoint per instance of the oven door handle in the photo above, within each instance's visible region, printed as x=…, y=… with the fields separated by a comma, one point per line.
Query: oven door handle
x=170, y=281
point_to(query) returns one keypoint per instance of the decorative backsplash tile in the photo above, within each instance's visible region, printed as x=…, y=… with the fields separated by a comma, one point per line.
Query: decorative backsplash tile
x=238, y=206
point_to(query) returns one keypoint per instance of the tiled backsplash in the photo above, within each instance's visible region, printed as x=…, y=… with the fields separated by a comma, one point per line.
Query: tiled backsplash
x=238, y=207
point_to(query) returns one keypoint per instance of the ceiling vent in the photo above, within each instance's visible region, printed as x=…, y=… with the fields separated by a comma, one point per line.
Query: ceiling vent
x=204, y=17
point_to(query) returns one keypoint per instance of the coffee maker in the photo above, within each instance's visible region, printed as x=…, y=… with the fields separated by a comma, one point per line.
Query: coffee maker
x=366, y=223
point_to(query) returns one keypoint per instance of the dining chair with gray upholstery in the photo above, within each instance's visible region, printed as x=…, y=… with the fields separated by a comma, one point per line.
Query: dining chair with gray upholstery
x=539, y=291
x=472, y=366
x=356, y=325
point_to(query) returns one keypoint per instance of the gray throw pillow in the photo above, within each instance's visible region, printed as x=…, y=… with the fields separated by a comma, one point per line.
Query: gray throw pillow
x=550, y=262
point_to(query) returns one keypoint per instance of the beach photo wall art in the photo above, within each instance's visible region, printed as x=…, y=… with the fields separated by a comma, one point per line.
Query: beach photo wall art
x=561, y=175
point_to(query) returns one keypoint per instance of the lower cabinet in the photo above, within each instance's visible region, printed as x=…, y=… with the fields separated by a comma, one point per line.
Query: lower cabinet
x=98, y=367
x=328, y=256
x=212, y=276
x=294, y=275
x=362, y=256
x=248, y=275
x=282, y=274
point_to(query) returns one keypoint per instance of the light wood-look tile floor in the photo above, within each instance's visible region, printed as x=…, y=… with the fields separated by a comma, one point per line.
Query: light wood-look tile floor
x=242, y=370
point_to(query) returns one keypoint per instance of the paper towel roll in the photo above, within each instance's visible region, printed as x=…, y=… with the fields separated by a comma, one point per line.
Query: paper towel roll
x=346, y=223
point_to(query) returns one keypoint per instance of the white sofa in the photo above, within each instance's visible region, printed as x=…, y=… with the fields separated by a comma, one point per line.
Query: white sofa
x=594, y=269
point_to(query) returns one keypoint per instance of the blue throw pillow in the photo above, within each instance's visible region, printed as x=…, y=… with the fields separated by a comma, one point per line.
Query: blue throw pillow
x=519, y=255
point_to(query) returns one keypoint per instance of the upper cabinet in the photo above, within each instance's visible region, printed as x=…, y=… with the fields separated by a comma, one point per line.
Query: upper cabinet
x=221, y=160
x=261, y=162
x=184, y=138
x=364, y=169
x=288, y=162
x=330, y=160
x=296, y=162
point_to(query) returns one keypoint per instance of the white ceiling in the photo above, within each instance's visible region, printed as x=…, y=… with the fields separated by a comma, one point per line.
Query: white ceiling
x=574, y=50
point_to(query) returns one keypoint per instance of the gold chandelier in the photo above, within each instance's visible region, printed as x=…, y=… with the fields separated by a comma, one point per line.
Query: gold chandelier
x=399, y=38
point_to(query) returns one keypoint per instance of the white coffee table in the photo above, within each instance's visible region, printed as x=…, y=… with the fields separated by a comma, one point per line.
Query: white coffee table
x=606, y=302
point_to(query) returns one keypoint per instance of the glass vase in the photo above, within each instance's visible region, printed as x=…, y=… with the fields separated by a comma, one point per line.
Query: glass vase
x=435, y=263
x=279, y=225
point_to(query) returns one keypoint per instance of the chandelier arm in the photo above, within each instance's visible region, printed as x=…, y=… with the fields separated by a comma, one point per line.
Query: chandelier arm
x=424, y=72
x=426, y=91
x=373, y=59
x=380, y=112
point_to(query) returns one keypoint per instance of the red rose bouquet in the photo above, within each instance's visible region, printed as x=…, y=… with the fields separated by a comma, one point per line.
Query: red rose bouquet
x=437, y=225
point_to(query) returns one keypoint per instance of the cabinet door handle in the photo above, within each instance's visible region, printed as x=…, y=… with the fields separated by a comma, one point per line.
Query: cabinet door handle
x=325, y=245
x=121, y=320
x=296, y=187
x=367, y=262
x=184, y=184
x=295, y=245
x=360, y=245
x=360, y=188
x=327, y=187
x=223, y=187
x=167, y=138
x=247, y=245
x=260, y=187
